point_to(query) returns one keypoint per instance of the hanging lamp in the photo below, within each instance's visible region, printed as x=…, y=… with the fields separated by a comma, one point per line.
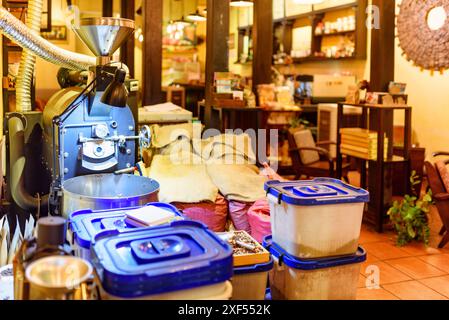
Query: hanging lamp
x=196, y=16
x=241, y=3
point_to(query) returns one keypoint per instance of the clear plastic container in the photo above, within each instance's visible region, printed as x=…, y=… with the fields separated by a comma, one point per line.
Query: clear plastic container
x=250, y=282
x=251, y=267
x=321, y=279
x=183, y=260
x=220, y=291
x=84, y=225
x=316, y=219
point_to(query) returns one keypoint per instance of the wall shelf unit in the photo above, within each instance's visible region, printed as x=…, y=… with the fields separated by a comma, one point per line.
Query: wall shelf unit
x=380, y=182
x=346, y=39
x=11, y=57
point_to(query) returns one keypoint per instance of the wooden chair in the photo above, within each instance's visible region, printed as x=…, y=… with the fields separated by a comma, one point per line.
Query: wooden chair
x=177, y=95
x=310, y=159
x=441, y=197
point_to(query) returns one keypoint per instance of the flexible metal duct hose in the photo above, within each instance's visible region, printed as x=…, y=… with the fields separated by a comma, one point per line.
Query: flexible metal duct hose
x=26, y=68
x=17, y=31
x=17, y=160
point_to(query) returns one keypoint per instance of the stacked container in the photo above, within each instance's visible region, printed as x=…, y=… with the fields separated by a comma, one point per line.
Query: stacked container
x=250, y=282
x=84, y=225
x=316, y=279
x=316, y=219
x=316, y=228
x=250, y=269
x=183, y=260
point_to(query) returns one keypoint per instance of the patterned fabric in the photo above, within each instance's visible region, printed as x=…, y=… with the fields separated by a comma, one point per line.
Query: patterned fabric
x=214, y=215
x=444, y=174
x=259, y=219
x=238, y=212
x=304, y=139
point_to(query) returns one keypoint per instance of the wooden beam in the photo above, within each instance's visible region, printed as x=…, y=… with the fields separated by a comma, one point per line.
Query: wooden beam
x=381, y=73
x=262, y=42
x=127, y=9
x=108, y=8
x=382, y=46
x=152, y=52
x=217, y=48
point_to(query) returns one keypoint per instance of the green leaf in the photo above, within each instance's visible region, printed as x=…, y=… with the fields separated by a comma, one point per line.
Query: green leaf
x=411, y=232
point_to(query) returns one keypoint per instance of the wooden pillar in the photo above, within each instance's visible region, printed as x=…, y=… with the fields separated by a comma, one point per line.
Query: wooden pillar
x=217, y=48
x=262, y=42
x=382, y=72
x=152, y=52
x=382, y=46
x=127, y=9
x=108, y=8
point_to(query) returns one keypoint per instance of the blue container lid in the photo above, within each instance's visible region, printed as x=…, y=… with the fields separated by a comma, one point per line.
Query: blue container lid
x=312, y=264
x=255, y=268
x=320, y=191
x=86, y=224
x=148, y=261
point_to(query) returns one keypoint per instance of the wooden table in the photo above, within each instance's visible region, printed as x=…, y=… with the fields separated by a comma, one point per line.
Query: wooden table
x=227, y=115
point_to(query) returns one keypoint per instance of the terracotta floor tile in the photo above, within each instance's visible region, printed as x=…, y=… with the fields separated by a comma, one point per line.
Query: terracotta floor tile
x=362, y=281
x=375, y=294
x=440, y=261
x=385, y=250
x=415, y=268
x=371, y=258
x=439, y=284
x=413, y=290
x=369, y=236
x=419, y=249
x=387, y=274
x=435, y=240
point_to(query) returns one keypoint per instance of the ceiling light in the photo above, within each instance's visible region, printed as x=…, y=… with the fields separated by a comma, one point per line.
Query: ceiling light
x=241, y=3
x=307, y=2
x=196, y=17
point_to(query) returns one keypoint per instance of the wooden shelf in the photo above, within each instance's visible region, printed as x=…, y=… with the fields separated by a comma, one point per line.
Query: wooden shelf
x=379, y=183
x=339, y=33
x=314, y=12
x=360, y=33
x=248, y=63
x=393, y=159
x=312, y=59
x=18, y=8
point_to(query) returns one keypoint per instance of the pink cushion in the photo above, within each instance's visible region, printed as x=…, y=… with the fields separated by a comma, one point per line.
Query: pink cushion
x=444, y=174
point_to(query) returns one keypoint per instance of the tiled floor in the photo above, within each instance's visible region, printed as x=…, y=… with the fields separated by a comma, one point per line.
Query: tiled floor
x=413, y=272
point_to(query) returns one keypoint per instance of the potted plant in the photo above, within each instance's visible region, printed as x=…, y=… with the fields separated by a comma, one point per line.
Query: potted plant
x=410, y=216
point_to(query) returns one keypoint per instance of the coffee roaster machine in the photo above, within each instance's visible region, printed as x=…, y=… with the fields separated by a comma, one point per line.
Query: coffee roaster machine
x=86, y=139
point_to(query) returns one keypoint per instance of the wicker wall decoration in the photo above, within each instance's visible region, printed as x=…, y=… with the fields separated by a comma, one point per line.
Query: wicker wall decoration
x=427, y=48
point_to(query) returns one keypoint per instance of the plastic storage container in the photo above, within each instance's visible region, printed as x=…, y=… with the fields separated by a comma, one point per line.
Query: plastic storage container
x=251, y=266
x=316, y=219
x=320, y=279
x=182, y=260
x=250, y=282
x=84, y=225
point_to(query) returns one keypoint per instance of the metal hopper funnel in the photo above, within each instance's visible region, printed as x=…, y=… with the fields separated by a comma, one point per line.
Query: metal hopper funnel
x=104, y=36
